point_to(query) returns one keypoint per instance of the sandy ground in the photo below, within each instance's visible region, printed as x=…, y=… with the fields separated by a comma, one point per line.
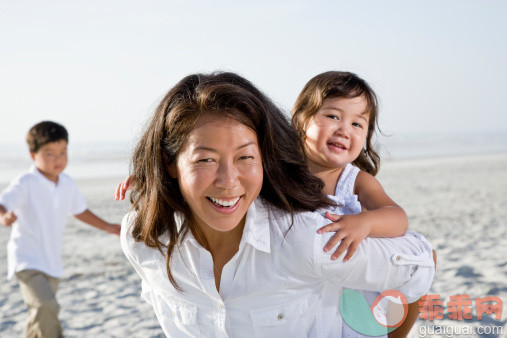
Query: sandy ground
x=458, y=203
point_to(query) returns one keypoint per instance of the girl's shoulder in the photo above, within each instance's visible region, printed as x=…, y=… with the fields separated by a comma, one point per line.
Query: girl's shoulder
x=364, y=181
x=346, y=182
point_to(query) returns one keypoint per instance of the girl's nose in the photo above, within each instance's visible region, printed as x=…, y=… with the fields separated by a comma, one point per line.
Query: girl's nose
x=227, y=176
x=342, y=130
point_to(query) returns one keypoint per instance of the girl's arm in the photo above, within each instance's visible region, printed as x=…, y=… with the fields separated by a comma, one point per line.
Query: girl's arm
x=386, y=218
x=382, y=218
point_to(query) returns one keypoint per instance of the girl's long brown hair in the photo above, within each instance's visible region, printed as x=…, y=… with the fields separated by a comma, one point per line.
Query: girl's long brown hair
x=156, y=197
x=339, y=84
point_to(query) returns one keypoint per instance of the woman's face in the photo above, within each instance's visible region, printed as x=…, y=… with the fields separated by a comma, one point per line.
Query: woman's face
x=219, y=171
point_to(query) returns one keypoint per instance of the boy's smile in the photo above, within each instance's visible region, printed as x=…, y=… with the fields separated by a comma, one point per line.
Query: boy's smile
x=51, y=159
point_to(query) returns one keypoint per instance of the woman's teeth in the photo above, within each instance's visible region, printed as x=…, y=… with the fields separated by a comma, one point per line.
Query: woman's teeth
x=224, y=203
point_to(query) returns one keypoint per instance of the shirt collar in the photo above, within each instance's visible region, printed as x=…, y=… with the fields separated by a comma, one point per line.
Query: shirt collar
x=256, y=231
x=33, y=169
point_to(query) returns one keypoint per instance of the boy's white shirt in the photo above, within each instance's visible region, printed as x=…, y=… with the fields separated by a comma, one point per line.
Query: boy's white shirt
x=42, y=208
x=279, y=283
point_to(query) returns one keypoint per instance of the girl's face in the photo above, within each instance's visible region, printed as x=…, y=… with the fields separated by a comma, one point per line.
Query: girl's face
x=219, y=171
x=336, y=134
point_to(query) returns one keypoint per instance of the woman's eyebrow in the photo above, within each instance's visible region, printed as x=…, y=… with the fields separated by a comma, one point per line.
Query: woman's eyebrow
x=215, y=151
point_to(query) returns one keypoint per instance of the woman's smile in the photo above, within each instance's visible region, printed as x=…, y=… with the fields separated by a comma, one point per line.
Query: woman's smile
x=225, y=205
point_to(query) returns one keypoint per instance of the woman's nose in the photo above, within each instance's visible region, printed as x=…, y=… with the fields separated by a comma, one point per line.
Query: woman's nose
x=227, y=176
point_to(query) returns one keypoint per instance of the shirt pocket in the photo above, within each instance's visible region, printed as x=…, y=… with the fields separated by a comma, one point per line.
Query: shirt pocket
x=183, y=315
x=289, y=319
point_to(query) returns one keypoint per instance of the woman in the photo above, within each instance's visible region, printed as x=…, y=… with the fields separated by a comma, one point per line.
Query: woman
x=223, y=232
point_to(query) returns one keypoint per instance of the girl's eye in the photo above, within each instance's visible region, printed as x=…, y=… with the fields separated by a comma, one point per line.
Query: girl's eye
x=355, y=124
x=334, y=117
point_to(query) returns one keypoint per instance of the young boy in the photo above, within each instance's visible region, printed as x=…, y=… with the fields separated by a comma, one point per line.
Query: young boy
x=36, y=205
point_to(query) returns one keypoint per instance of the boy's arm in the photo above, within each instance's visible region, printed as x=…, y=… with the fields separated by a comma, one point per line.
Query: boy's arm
x=90, y=218
x=7, y=218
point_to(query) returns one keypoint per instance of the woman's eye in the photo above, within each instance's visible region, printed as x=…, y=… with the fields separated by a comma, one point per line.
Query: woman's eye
x=205, y=160
x=246, y=157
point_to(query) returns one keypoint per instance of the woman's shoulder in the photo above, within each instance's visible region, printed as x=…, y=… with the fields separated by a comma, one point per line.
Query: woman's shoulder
x=127, y=224
x=284, y=220
x=136, y=250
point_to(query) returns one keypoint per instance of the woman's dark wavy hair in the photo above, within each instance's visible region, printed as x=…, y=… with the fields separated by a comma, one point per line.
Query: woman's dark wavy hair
x=156, y=197
x=339, y=84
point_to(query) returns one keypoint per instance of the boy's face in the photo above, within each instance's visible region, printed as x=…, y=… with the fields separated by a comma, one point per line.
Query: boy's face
x=51, y=159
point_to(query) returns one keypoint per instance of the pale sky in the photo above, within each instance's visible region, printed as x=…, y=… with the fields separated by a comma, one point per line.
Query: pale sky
x=100, y=67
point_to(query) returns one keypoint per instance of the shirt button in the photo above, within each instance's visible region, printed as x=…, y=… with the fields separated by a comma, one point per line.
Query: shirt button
x=220, y=305
x=280, y=316
x=398, y=258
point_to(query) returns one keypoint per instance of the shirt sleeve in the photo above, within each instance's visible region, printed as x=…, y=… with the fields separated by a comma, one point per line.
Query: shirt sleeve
x=379, y=264
x=78, y=202
x=14, y=195
x=127, y=243
x=402, y=263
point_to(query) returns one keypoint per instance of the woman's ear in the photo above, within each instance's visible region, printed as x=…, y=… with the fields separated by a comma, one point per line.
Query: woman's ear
x=171, y=169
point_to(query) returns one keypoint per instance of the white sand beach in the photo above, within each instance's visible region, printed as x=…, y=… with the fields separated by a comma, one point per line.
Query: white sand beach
x=458, y=203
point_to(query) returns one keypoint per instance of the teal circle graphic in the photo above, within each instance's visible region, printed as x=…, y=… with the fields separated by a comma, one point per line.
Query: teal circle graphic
x=356, y=312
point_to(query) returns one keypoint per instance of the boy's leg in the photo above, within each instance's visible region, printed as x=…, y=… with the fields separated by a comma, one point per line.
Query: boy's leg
x=39, y=294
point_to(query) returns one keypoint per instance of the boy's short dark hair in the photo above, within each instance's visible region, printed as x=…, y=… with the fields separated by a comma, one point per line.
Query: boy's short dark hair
x=45, y=132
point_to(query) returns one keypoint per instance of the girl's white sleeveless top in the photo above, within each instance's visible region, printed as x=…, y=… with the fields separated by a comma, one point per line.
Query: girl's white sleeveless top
x=344, y=194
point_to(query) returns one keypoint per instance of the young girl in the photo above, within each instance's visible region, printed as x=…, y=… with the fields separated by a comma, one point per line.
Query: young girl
x=336, y=115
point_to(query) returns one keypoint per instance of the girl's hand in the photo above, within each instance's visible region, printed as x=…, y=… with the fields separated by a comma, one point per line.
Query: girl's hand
x=8, y=218
x=122, y=188
x=350, y=230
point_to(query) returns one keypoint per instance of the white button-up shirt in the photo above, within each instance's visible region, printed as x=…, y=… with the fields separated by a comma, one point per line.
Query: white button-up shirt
x=42, y=208
x=280, y=283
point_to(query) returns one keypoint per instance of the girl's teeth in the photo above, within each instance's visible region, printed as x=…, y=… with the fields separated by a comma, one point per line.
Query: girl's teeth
x=225, y=203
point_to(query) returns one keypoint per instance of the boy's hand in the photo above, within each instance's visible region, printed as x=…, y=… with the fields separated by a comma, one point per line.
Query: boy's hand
x=350, y=230
x=122, y=188
x=8, y=218
x=114, y=229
